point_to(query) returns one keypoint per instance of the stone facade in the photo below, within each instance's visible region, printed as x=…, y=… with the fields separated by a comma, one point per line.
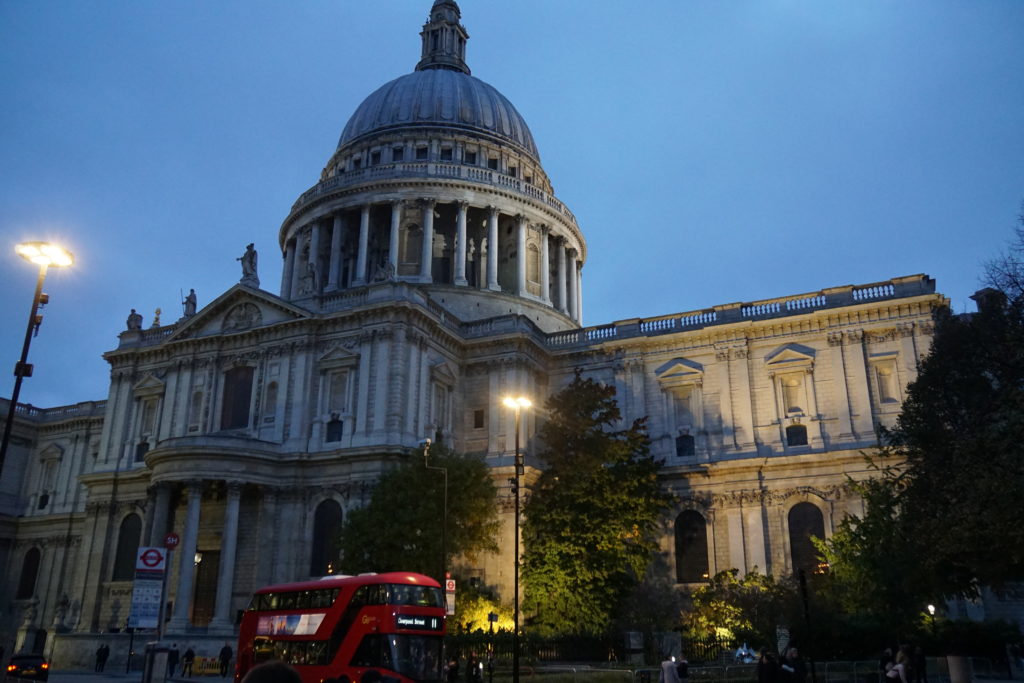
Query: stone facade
x=428, y=273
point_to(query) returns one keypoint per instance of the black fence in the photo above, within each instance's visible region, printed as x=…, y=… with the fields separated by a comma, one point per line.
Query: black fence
x=583, y=649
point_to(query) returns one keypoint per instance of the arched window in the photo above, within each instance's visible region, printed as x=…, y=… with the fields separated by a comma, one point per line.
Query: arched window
x=29, y=573
x=237, y=396
x=326, y=539
x=127, y=545
x=805, y=520
x=796, y=435
x=691, y=547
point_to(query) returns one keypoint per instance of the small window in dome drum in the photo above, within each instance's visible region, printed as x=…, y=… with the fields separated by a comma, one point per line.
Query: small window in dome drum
x=471, y=158
x=397, y=154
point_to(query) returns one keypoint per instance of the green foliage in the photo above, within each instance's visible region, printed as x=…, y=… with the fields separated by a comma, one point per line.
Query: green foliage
x=961, y=434
x=401, y=527
x=943, y=517
x=590, y=523
x=748, y=608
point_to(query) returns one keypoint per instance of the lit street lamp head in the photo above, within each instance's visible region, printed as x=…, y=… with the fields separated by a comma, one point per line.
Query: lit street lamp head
x=45, y=254
x=517, y=402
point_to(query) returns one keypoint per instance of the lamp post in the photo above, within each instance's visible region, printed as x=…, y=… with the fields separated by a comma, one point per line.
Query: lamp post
x=444, y=513
x=44, y=255
x=516, y=404
x=931, y=613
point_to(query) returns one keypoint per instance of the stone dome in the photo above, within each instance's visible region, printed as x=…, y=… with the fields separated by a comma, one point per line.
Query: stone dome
x=440, y=97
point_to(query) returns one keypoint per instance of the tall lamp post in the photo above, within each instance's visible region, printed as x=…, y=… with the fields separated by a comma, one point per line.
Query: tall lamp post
x=44, y=255
x=516, y=404
x=444, y=514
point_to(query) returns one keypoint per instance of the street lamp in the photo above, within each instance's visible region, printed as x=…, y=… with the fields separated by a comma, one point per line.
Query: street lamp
x=517, y=404
x=44, y=255
x=931, y=612
x=444, y=514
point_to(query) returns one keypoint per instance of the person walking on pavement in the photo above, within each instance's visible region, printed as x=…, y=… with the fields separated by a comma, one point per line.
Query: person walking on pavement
x=225, y=659
x=186, y=663
x=173, y=655
x=102, y=654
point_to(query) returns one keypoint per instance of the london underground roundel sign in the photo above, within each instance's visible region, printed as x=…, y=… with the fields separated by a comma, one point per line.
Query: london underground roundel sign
x=150, y=559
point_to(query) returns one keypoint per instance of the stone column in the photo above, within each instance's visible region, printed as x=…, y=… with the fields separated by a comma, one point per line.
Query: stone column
x=561, y=277
x=520, y=255
x=158, y=518
x=460, y=244
x=186, y=564
x=842, y=397
x=288, y=270
x=364, y=242
x=492, y=249
x=314, y=256
x=545, y=265
x=335, y=268
x=267, y=526
x=427, y=250
x=223, y=621
x=860, y=392
x=396, y=220
x=570, y=268
x=579, y=291
x=298, y=268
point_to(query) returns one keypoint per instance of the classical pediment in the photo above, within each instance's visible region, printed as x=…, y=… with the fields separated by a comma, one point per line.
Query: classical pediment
x=51, y=452
x=442, y=373
x=790, y=356
x=338, y=357
x=680, y=371
x=239, y=309
x=149, y=386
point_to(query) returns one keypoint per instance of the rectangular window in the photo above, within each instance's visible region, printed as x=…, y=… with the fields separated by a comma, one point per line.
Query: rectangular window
x=528, y=179
x=237, y=397
x=471, y=158
x=513, y=171
x=492, y=163
x=397, y=154
x=374, y=158
x=421, y=153
x=357, y=162
x=478, y=418
x=446, y=154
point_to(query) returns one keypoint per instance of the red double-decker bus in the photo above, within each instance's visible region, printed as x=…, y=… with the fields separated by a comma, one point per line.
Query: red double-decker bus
x=392, y=624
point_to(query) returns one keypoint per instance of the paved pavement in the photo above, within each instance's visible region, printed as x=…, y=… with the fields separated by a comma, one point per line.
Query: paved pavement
x=110, y=676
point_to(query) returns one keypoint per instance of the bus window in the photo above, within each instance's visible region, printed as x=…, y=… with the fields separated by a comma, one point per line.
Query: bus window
x=373, y=651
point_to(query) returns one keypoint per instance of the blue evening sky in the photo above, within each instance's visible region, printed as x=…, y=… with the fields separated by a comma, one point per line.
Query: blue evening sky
x=712, y=151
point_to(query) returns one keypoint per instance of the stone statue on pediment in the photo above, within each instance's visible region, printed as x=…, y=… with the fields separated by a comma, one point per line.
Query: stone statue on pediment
x=134, y=321
x=248, y=259
x=190, y=303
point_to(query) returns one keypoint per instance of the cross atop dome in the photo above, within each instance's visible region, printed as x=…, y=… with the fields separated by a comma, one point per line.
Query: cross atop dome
x=444, y=39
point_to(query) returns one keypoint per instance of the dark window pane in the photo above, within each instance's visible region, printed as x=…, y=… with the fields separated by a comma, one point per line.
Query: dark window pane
x=691, y=547
x=326, y=539
x=685, y=445
x=127, y=545
x=805, y=520
x=29, y=572
x=237, y=396
x=796, y=435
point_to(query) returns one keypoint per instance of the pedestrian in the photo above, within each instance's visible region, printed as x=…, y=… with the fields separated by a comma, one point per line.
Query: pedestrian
x=173, y=655
x=669, y=670
x=767, y=667
x=272, y=672
x=920, y=665
x=885, y=662
x=453, y=670
x=186, y=663
x=225, y=659
x=792, y=667
x=897, y=673
x=102, y=654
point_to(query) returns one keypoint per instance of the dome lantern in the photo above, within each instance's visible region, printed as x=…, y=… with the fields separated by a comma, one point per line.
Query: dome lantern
x=444, y=39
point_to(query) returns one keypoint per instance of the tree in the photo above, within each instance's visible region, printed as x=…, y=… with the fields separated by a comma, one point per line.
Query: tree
x=591, y=519
x=946, y=518
x=400, y=528
x=748, y=608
